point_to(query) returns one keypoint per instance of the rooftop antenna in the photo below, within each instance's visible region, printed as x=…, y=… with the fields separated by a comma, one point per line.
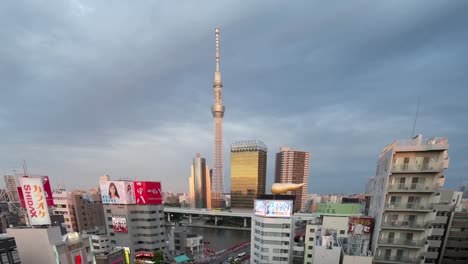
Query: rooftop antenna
x=25, y=168
x=415, y=117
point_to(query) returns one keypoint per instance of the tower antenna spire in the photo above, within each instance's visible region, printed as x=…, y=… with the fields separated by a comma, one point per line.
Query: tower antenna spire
x=415, y=117
x=217, y=49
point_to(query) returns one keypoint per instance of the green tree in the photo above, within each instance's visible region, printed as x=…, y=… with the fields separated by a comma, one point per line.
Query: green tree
x=158, y=257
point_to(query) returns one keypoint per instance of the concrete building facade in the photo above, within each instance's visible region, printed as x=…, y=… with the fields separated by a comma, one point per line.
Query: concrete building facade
x=271, y=239
x=82, y=211
x=248, y=172
x=8, y=251
x=409, y=175
x=292, y=166
x=116, y=256
x=145, y=224
x=47, y=245
x=188, y=243
x=200, y=184
x=455, y=249
x=64, y=206
x=101, y=243
x=89, y=212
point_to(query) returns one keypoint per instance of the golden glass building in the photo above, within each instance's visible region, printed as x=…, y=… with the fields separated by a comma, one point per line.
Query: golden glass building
x=248, y=172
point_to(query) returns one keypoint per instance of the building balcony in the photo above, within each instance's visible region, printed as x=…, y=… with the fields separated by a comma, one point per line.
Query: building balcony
x=413, y=168
x=438, y=231
x=397, y=259
x=404, y=225
x=434, y=243
x=408, y=207
x=401, y=242
x=443, y=207
x=458, y=234
x=457, y=244
x=459, y=223
x=453, y=261
x=439, y=219
x=455, y=253
x=413, y=187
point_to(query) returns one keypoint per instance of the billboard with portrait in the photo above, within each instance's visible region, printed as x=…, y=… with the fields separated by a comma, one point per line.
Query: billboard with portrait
x=35, y=200
x=273, y=208
x=119, y=224
x=117, y=192
x=148, y=192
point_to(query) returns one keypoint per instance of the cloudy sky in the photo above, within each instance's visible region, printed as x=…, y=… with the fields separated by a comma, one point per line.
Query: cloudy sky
x=125, y=88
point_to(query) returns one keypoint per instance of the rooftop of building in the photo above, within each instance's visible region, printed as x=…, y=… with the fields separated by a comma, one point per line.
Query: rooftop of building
x=418, y=144
x=181, y=259
x=248, y=145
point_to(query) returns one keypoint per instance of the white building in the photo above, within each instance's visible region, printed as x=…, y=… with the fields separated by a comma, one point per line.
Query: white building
x=188, y=243
x=101, y=243
x=409, y=174
x=271, y=240
x=321, y=239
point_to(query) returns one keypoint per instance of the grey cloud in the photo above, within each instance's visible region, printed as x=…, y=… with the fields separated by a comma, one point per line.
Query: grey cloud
x=91, y=87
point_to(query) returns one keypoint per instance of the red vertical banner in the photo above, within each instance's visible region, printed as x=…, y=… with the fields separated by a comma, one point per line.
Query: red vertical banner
x=148, y=192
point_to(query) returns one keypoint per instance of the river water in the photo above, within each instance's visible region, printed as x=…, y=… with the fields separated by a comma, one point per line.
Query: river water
x=220, y=239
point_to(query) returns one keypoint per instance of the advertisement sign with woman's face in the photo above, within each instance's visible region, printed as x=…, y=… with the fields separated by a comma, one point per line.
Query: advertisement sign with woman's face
x=115, y=192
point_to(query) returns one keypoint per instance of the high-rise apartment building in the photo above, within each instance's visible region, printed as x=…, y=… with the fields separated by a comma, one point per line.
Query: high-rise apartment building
x=134, y=216
x=292, y=166
x=456, y=241
x=89, y=211
x=449, y=203
x=218, y=113
x=409, y=174
x=64, y=206
x=248, y=172
x=11, y=185
x=199, y=184
x=82, y=211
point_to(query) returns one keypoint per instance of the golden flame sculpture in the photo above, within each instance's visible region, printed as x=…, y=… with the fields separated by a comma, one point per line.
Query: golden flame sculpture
x=278, y=188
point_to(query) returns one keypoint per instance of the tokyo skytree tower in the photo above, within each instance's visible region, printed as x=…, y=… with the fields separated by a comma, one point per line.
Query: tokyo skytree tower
x=218, y=112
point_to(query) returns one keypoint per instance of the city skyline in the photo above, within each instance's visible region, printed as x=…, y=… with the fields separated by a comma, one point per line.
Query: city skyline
x=86, y=96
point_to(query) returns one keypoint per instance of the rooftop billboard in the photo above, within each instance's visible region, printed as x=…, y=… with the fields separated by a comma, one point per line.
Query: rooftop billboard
x=130, y=192
x=47, y=190
x=273, y=208
x=117, y=192
x=35, y=201
x=148, y=192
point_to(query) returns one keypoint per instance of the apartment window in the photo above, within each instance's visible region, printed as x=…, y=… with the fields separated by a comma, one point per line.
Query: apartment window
x=311, y=239
x=342, y=232
x=108, y=211
x=312, y=230
x=109, y=218
x=309, y=255
x=311, y=247
x=112, y=234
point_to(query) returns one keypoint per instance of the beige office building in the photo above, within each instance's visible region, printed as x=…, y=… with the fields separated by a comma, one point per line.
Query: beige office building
x=406, y=187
